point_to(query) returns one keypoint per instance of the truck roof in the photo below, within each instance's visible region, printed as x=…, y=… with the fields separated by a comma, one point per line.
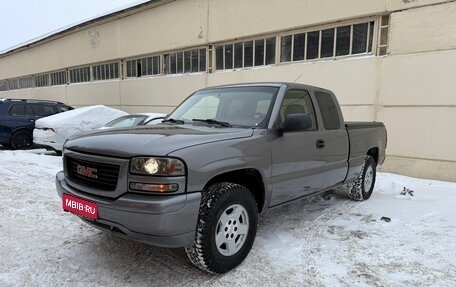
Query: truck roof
x=267, y=84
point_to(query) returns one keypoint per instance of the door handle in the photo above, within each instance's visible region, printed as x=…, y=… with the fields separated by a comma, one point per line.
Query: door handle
x=320, y=144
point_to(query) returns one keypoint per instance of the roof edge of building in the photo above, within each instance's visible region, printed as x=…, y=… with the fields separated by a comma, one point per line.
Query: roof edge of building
x=72, y=28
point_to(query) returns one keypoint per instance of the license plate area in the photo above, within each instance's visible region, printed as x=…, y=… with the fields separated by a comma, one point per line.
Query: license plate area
x=80, y=206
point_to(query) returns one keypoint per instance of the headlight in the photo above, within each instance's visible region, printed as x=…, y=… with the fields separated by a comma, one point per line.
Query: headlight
x=157, y=166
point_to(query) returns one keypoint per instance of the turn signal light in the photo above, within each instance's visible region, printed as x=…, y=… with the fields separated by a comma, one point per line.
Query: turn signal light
x=154, y=187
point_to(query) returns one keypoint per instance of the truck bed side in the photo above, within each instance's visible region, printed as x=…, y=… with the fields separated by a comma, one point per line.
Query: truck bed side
x=366, y=138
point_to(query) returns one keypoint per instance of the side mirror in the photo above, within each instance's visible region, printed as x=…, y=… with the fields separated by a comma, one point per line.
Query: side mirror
x=296, y=122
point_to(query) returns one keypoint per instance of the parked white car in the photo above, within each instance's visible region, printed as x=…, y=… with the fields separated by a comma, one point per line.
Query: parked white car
x=134, y=120
x=51, y=132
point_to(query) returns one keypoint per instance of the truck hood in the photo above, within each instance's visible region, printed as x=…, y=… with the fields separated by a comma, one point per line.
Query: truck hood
x=158, y=140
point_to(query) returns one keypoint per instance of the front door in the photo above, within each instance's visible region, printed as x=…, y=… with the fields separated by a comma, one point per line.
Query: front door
x=298, y=162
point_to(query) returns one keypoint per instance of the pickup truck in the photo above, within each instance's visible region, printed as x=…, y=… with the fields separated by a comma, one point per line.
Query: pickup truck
x=226, y=154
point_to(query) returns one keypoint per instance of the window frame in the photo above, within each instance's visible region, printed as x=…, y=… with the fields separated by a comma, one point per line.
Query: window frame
x=108, y=73
x=39, y=79
x=4, y=86
x=61, y=75
x=139, y=60
x=79, y=76
x=187, y=61
x=243, y=41
x=320, y=29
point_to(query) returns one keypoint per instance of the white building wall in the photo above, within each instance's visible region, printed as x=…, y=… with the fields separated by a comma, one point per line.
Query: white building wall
x=417, y=101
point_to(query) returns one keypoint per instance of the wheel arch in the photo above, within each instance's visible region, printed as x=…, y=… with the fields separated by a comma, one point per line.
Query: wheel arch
x=250, y=178
x=373, y=152
x=20, y=129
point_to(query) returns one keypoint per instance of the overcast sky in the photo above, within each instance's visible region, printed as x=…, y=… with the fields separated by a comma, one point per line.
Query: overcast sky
x=24, y=20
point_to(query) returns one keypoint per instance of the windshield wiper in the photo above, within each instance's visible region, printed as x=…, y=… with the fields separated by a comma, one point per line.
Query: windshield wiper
x=173, y=121
x=212, y=121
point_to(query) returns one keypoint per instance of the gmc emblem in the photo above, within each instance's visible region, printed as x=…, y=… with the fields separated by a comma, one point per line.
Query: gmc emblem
x=86, y=171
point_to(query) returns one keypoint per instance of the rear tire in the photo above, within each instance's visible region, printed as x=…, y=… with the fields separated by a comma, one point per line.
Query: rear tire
x=22, y=139
x=363, y=186
x=226, y=228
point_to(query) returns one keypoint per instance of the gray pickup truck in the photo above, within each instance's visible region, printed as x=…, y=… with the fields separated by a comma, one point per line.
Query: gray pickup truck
x=226, y=154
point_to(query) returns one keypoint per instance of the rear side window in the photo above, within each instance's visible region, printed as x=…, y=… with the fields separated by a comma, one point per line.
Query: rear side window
x=63, y=108
x=49, y=110
x=328, y=110
x=29, y=110
x=17, y=109
x=43, y=110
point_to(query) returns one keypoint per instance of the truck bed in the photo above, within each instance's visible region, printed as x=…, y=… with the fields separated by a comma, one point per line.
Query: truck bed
x=363, y=136
x=361, y=125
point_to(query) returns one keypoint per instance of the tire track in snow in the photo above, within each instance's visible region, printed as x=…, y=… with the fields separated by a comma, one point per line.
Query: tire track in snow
x=316, y=230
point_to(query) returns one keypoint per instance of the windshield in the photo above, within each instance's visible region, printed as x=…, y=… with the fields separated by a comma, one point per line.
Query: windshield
x=236, y=106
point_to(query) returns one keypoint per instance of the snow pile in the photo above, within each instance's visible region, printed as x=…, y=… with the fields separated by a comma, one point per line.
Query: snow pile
x=79, y=120
x=73, y=122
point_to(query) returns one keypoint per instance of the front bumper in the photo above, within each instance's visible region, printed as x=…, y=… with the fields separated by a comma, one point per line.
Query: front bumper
x=46, y=139
x=166, y=221
x=48, y=145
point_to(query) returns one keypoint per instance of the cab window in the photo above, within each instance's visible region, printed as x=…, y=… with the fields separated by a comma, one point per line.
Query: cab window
x=328, y=110
x=298, y=102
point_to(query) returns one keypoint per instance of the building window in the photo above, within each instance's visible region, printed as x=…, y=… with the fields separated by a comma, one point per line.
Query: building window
x=219, y=58
x=270, y=45
x=42, y=80
x=105, y=71
x=26, y=82
x=299, y=44
x=383, y=41
x=3, y=85
x=359, y=41
x=79, y=75
x=245, y=54
x=259, y=53
x=59, y=78
x=343, y=40
x=238, y=50
x=13, y=84
x=143, y=67
x=191, y=61
x=248, y=54
x=327, y=43
x=285, y=47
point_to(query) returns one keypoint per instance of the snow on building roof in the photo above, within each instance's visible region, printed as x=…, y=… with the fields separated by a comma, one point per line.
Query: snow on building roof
x=132, y=8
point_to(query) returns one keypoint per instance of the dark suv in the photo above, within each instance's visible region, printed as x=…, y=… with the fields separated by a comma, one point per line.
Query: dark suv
x=17, y=119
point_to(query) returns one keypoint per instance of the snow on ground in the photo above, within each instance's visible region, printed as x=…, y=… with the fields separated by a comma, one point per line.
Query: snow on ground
x=323, y=241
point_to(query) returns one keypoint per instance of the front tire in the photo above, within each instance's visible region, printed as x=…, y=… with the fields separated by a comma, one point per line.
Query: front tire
x=22, y=139
x=226, y=228
x=363, y=186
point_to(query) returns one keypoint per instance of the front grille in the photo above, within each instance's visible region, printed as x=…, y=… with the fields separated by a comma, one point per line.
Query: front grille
x=92, y=174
